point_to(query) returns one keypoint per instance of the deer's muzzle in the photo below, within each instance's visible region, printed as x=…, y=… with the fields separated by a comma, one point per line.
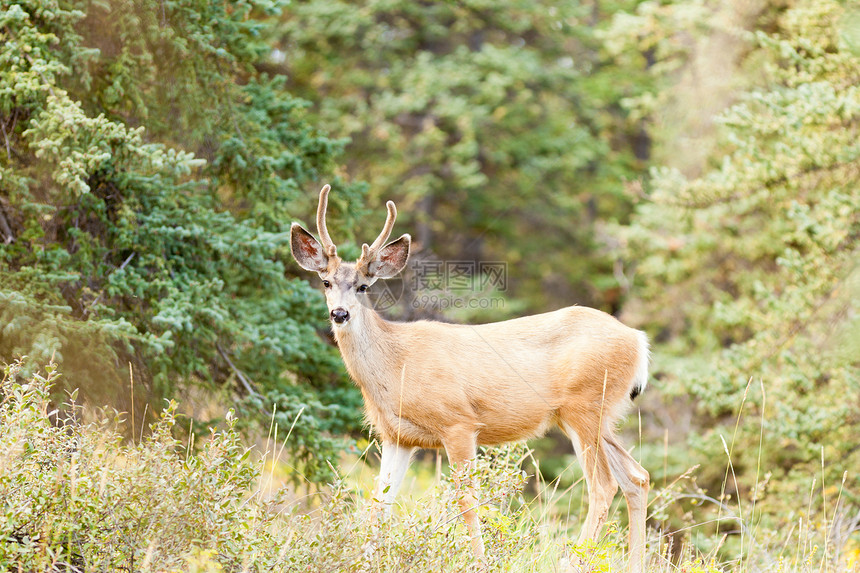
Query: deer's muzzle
x=340, y=315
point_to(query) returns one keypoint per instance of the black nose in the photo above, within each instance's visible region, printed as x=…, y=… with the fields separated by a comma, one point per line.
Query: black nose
x=339, y=315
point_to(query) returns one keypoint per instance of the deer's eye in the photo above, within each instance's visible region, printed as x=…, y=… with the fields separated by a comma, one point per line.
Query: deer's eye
x=326, y=284
x=362, y=288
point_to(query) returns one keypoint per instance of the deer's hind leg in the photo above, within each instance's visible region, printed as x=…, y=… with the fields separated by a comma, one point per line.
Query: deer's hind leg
x=634, y=481
x=599, y=480
x=607, y=465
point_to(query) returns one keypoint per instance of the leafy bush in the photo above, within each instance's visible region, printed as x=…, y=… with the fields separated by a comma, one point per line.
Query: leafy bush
x=76, y=496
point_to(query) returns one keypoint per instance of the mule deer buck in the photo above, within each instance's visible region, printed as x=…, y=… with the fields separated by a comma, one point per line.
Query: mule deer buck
x=429, y=385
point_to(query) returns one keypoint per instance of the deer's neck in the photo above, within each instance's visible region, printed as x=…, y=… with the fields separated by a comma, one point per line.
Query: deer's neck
x=374, y=351
x=371, y=351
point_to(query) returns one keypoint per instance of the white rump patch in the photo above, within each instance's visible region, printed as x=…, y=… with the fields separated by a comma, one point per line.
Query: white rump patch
x=640, y=377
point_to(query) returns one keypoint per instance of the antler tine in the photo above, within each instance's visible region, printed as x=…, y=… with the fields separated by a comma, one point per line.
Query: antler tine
x=386, y=230
x=328, y=245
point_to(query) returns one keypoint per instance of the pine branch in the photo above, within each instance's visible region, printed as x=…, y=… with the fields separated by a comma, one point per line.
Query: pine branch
x=242, y=378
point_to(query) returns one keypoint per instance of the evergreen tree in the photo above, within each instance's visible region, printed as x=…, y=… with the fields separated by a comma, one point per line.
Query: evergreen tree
x=749, y=273
x=148, y=176
x=497, y=127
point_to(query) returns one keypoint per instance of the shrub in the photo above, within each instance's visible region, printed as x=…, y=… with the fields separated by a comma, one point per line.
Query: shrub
x=77, y=497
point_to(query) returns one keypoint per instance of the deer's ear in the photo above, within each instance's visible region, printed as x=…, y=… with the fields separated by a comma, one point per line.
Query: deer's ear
x=307, y=251
x=391, y=258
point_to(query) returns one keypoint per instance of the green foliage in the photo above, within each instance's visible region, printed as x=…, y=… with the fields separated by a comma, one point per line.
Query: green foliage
x=310, y=421
x=750, y=271
x=75, y=497
x=154, y=153
x=149, y=177
x=496, y=126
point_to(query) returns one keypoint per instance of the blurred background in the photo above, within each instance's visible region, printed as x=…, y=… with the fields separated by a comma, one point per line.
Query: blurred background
x=691, y=167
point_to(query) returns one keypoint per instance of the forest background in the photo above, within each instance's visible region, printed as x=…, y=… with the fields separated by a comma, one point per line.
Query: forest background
x=689, y=166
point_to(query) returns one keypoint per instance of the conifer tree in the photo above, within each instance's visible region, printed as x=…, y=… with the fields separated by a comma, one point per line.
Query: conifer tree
x=749, y=273
x=148, y=176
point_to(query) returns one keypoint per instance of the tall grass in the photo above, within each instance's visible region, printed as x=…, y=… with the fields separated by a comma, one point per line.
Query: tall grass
x=77, y=497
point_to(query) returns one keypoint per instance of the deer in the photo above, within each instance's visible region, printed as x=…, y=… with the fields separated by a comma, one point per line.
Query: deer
x=429, y=384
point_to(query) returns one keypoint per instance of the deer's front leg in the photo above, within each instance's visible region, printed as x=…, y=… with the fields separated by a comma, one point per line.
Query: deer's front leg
x=395, y=462
x=461, y=448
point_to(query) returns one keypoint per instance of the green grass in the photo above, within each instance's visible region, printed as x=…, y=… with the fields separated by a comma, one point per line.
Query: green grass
x=78, y=497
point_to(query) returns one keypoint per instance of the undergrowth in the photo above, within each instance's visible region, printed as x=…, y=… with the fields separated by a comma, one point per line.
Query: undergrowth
x=77, y=497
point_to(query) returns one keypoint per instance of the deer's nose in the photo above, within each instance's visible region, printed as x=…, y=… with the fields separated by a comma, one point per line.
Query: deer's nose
x=340, y=315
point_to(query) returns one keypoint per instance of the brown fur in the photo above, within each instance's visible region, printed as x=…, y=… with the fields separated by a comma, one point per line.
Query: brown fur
x=520, y=376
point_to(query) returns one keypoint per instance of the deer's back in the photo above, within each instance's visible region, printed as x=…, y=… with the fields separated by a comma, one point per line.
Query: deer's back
x=511, y=378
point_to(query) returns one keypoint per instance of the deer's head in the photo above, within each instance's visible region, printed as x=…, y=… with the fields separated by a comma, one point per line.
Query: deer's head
x=346, y=284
